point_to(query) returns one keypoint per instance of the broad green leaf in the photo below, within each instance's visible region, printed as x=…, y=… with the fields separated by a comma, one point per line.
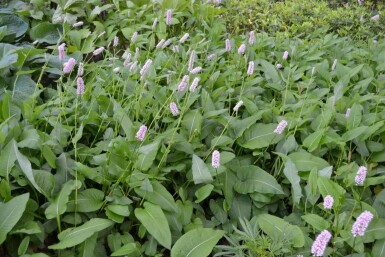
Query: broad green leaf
x=78, y=135
x=375, y=231
x=8, y=59
x=238, y=127
x=10, y=213
x=25, y=166
x=280, y=230
x=291, y=174
x=254, y=179
x=240, y=207
x=59, y=205
x=7, y=159
x=259, y=136
x=316, y=221
x=192, y=121
x=46, y=181
x=154, y=220
x=328, y=187
x=218, y=211
x=88, y=246
x=147, y=154
x=200, y=171
x=74, y=236
x=127, y=250
x=88, y=200
x=15, y=24
x=46, y=32
x=354, y=133
x=312, y=141
x=159, y=196
x=203, y=192
x=23, y=247
x=305, y=161
x=378, y=249
x=354, y=119
x=197, y=243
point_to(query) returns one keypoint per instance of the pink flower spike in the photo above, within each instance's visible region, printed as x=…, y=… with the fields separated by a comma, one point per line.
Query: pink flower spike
x=174, y=109
x=251, y=37
x=250, y=69
x=334, y=64
x=216, y=159
x=168, y=17
x=81, y=69
x=61, y=51
x=184, y=38
x=362, y=223
x=183, y=84
x=78, y=24
x=80, y=84
x=141, y=133
x=347, y=113
x=320, y=243
x=196, y=70
x=375, y=17
x=328, y=202
x=278, y=66
x=237, y=106
x=228, y=45
x=145, y=68
x=361, y=176
x=285, y=55
x=134, y=37
x=165, y=44
x=160, y=44
x=281, y=126
x=241, y=49
x=116, y=41
x=68, y=66
x=191, y=61
x=194, y=84
x=210, y=57
x=154, y=23
x=98, y=51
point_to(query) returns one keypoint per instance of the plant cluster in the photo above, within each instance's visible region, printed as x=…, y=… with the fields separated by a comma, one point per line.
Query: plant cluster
x=150, y=131
x=305, y=19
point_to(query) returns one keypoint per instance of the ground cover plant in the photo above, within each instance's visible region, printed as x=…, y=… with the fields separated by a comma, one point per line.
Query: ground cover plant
x=149, y=128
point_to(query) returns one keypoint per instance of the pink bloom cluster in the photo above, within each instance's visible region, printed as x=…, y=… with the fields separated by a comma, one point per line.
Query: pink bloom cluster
x=361, y=224
x=328, y=202
x=216, y=159
x=361, y=175
x=174, y=109
x=68, y=66
x=281, y=126
x=183, y=84
x=194, y=84
x=141, y=133
x=320, y=243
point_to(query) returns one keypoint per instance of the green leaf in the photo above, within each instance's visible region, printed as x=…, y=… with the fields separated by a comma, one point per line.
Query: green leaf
x=147, y=154
x=23, y=247
x=88, y=247
x=259, y=136
x=375, y=231
x=25, y=166
x=192, y=121
x=7, y=159
x=291, y=174
x=10, y=213
x=159, y=196
x=46, y=182
x=378, y=249
x=46, y=32
x=154, y=220
x=127, y=249
x=280, y=230
x=89, y=200
x=203, y=192
x=354, y=119
x=74, y=236
x=8, y=59
x=200, y=171
x=238, y=127
x=196, y=243
x=254, y=179
x=354, y=133
x=15, y=24
x=316, y=221
x=328, y=187
x=312, y=141
x=305, y=161
x=59, y=205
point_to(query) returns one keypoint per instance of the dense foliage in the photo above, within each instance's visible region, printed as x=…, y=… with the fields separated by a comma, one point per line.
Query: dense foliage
x=121, y=135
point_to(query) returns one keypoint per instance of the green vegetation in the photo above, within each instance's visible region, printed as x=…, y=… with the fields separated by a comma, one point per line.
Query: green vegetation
x=259, y=133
